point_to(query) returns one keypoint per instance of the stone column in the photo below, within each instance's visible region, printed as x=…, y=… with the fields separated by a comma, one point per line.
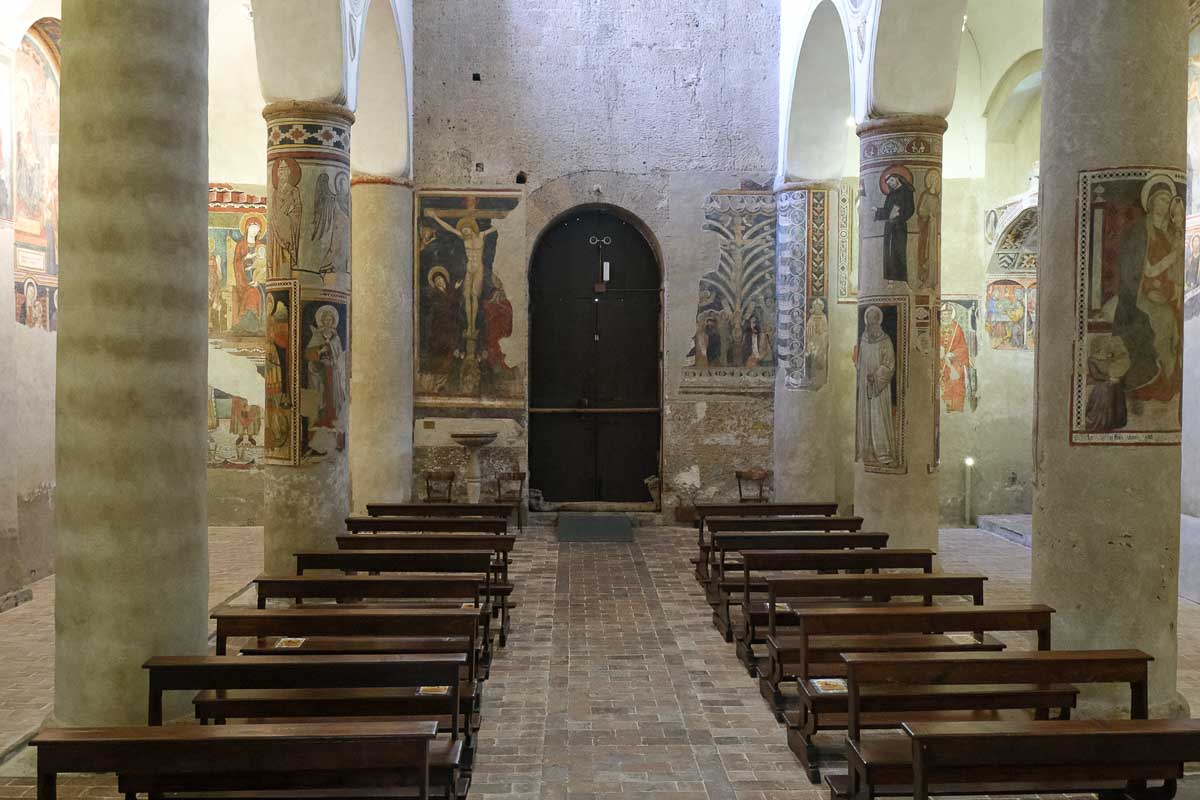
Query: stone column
x=308, y=329
x=132, y=542
x=1109, y=381
x=382, y=409
x=896, y=350
x=804, y=447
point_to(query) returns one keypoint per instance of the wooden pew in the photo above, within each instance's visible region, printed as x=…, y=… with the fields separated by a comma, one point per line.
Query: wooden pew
x=347, y=631
x=774, y=617
x=501, y=510
x=822, y=637
x=732, y=591
x=884, y=689
x=448, y=561
x=271, y=688
x=705, y=510
x=295, y=758
x=1113, y=758
x=723, y=545
x=405, y=591
x=500, y=544
x=811, y=524
x=426, y=525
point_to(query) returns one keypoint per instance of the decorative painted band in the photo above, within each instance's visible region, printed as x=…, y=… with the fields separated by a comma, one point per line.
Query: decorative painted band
x=365, y=179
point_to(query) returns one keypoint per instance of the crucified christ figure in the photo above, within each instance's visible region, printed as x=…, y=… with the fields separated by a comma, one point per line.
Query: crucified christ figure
x=468, y=230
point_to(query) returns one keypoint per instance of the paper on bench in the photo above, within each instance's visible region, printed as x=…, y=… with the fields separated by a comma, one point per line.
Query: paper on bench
x=827, y=685
x=290, y=641
x=433, y=690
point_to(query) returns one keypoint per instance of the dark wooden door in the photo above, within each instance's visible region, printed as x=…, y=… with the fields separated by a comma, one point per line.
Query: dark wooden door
x=594, y=395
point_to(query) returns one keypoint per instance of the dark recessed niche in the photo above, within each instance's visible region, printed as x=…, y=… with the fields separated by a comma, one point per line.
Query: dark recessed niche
x=522, y=177
x=476, y=77
x=479, y=166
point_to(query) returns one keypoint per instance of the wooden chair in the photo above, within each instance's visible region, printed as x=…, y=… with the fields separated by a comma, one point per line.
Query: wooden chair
x=507, y=493
x=754, y=477
x=433, y=492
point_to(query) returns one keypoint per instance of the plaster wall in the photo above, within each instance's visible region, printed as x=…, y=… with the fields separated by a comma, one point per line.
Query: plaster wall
x=27, y=477
x=643, y=101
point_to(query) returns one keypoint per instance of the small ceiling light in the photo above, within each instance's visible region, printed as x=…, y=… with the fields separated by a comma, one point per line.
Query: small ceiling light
x=969, y=461
x=850, y=121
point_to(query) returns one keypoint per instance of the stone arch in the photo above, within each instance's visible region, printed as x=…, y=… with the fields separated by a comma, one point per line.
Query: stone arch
x=913, y=59
x=1014, y=95
x=818, y=102
x=305, y=49
x=16, y=21
x=382, y=129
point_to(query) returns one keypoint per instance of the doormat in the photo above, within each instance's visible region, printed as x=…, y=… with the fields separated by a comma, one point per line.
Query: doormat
x=579, y=526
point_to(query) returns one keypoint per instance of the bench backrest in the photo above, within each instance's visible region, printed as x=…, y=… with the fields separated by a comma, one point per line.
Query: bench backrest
x=1147, y=749
x=807, y=560
x=924, y=585
x=503, y=510
x=243, y=756
x=476, y=561
x=497, y=543
x=1008, y=667
x=313, y=621
x=792, y=540
x=427, y=524
x=763, y=524
x=883, y=619
x=705, y=510
x=193, y=673
x=352, y=587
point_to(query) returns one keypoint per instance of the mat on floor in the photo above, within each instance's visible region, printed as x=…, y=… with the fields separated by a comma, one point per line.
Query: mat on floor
x=579, y=526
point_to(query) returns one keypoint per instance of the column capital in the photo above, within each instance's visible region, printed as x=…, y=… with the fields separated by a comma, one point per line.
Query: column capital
x=315, y=108
x=904, y=123
x=367, y=179
x=784, y=185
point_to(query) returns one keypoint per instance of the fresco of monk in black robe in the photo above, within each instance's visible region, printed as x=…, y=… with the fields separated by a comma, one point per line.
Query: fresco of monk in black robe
x=898, y=208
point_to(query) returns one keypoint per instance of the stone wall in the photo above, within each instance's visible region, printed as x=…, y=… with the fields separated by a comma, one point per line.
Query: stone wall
x=630, y=106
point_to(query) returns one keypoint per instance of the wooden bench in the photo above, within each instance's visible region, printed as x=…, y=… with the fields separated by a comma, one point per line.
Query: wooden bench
x=705, y=510
x=296, y=758
x=822, y=637
x=884, y=689
x=431, y=561
x=801, y=524
x=274, y=688
x=723, y=545
x=501, y=510
x=352, y=630
x=731, y=591
x=773, y=617
x=500, y=544
x=426, y=525
x=1112, y=758
x=423, y=591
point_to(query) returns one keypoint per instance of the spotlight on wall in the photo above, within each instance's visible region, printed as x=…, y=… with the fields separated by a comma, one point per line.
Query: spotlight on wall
x=850, y=122
x=969, y=461
x=968, y=487
x=964, y=27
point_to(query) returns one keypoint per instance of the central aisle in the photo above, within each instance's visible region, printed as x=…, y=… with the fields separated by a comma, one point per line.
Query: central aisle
x=615, y=682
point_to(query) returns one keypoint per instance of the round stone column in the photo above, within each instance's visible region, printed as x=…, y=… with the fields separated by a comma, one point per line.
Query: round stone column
x=130, y=510
x=382, y=409
x=307, y=486
x=896, y=347
x=1109, y=381
x=804, y=447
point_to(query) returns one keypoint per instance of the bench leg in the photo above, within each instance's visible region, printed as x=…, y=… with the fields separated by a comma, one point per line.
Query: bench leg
x=47, y=785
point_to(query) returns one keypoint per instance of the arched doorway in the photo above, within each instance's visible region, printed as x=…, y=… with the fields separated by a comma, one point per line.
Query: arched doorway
x=595, y=389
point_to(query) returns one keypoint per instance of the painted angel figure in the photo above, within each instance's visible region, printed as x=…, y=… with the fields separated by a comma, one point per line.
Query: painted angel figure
x=331, y=221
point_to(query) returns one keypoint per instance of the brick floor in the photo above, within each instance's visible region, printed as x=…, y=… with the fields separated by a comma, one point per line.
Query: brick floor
x=614, y=680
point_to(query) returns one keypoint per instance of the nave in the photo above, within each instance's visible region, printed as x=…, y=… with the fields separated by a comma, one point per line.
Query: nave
x=614, y=680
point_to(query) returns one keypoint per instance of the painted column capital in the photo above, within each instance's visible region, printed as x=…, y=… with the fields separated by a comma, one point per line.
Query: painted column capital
x=903, y=123
x=316, y=109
